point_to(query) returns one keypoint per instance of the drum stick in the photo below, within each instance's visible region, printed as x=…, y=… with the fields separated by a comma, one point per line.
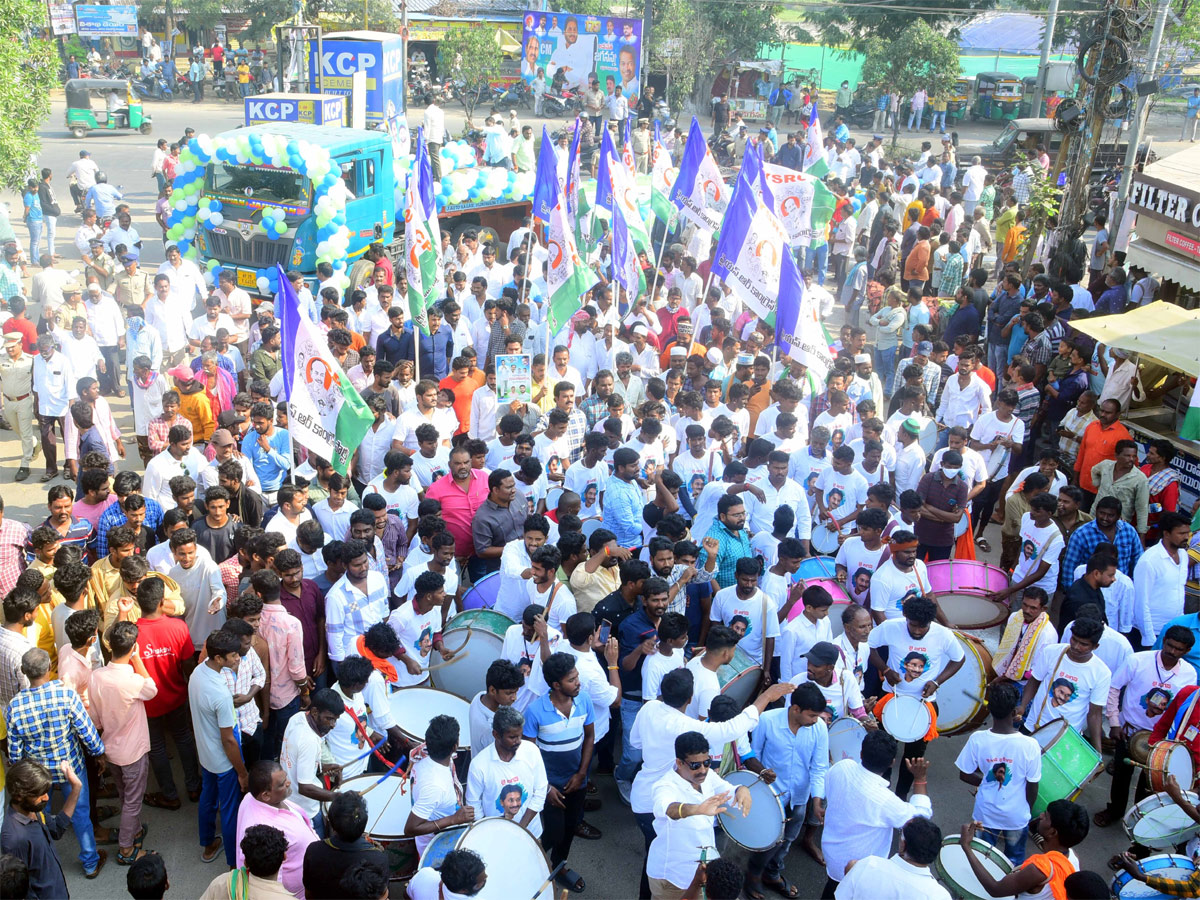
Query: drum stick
x=371, y=750
x=384, y=777
x=549, y=878
x=470, y=631
x=447, y=662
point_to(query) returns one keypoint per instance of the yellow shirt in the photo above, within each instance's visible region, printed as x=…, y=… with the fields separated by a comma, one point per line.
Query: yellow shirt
x=243, y=74
x=197, y=410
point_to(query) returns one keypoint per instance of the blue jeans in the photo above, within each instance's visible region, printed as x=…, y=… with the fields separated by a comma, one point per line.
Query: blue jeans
x=997, y=359
x=220, y=794
x=631, y=756
x=885, y=362
x=318, y=824
x=770, y=863
x=817, y=259
x=35, y=238
x=1013, y=839
x=935, y=118
x=918, y=115
x=81, y=823
x=51, y=225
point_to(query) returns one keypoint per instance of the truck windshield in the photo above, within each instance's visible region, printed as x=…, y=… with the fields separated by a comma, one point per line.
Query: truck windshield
x=1006, y=136
x=260, y=182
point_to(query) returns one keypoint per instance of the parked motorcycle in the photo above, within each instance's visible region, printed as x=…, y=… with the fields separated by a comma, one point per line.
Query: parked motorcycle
x=516, y=94
x=566, y=103
x=722, y=148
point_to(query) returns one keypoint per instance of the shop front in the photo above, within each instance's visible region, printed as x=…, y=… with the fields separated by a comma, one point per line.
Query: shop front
x=1166, y=198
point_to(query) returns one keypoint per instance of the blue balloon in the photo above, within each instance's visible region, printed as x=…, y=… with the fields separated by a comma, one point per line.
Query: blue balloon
x=194, y=146
x=184, y=245
x=293, y=149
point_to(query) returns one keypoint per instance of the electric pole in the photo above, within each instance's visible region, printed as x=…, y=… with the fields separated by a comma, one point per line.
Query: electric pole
x=1047, y=45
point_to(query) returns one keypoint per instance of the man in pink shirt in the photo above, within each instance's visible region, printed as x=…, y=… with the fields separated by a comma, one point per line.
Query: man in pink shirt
x=267, y=803
x=118, y=693
x=74, y=669
x=461, y=493
x=285, y=643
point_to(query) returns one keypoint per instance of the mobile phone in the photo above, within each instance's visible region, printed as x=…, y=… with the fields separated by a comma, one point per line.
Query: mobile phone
x=605, y=631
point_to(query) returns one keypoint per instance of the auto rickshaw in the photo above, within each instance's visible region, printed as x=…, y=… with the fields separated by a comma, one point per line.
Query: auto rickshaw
x=956, y=103
x=119, y=106
x=997, y=96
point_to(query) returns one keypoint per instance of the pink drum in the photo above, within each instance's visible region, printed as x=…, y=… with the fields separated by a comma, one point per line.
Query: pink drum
x=962, y=586
x=840, y=601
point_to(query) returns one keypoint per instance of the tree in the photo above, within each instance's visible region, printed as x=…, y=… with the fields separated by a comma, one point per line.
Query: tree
x=339, y=15
x=470, y=56
x=918, y=57
x=28, y=69
x=854, y=24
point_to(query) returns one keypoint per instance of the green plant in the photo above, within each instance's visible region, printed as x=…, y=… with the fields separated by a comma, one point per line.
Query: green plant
x=918, y=57
x=470, y=55
x=28, y=70
x=1042, y=205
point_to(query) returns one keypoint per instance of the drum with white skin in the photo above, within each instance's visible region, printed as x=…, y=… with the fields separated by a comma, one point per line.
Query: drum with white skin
x=955, y=872
x=414, y=708
x=465, y=675
x=846, y=739
x=907, y=719
x=762, y=828
x=1158, y=823
x=961, y=705
x=1170, y=865
x=515, y=863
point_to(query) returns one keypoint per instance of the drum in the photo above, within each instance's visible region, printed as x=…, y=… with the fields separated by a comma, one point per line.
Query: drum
x=414, y=708
x=906, y=719
x=1158, y=823
x=962, y=586
x=388, y=806
x=840, y=601
x=1069, y=763
x=961, y=706
x=591, y=526
x=739, y=678
x=515, y=863
x=824, y=541
x=1126, y=887
x=464, y=676
x=953, y=870
x=552, y=497
x=817, y=567
x=1139, y=746
x=762, y=829
x=845, y=739
x=483, y=593
x=1170, y=758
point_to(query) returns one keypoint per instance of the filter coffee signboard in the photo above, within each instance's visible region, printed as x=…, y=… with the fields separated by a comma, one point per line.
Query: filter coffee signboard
x=1174, y=204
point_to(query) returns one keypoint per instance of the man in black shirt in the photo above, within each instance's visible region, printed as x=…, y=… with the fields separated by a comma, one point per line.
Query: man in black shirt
x=1100, y=572
x=720, y=112
x=326, y=861
x=30, y=830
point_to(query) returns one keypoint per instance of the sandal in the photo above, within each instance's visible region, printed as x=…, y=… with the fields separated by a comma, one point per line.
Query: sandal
x=211, y=852
x=159, y=801
x=753, y=889
x=571, y=880
x=783, y=888
x=1104, y=819
x=138, y=853
x=983, y=545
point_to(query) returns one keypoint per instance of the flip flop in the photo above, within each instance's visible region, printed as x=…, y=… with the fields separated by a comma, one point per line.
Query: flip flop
x=983, y=545
x=571, y=880
x=783, y=888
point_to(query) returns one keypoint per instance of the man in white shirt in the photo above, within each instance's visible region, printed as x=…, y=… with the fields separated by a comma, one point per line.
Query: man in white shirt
x=1069, y=682
x=515, y=567
x=965, y=398
x=435, y=135
x=108, y=327
x=903, y=876
x=1161, y=572
x=508, y=778
x=180, y=458
x=973, y=183
x=861, y=812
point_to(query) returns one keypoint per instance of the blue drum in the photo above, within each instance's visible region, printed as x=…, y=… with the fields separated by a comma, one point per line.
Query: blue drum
x=1173, y=865
x=483, y=593
x=817, y=567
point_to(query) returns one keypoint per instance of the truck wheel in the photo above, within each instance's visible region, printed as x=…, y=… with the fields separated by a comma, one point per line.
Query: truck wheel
x=79, y=133
x=145, y=128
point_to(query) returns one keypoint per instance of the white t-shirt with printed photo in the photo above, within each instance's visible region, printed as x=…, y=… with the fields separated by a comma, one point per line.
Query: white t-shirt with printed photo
x=1039, y=545
x=696, y=473
x=403, y=501
x=890, y=587
x=860, y=564
x=415, y=631
x=988, y=428
x=746, y=618
x=589, y=485
x=841, y=696
x=1149, y=687
x=1067, y=688
x=917, y=660
x=1007, y=762
x=427, y=469
x=841, y=494
x=554, y=455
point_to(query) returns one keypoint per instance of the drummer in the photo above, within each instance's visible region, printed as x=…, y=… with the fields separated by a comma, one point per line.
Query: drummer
x=460, y=875
x=685, y=802
x=902, y=576
x=501, y=682
x=1069, y=682
x=1063, y=825
x=1143, y=688
x=921, y=655
x=1005, y=767
x=418, y=625
x=353, y=734
x=527, y=645
x=1171, y=887
x=437, y=796
x=1027, y=631
x=809, y=628
x=904, y=875
x=509, y=778
x=442, y=547
x=843, y=697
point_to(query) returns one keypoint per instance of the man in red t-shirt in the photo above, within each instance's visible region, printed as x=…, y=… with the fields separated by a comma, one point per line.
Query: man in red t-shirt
x=20, y=324
x=165, y=647
x=218, y=59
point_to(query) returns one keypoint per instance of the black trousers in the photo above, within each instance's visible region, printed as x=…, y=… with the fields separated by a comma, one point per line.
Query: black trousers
x=110, y=379
x=985, y=503
x=929, y=553
x=558, y=825
x=49, y=446
x=1118, y=794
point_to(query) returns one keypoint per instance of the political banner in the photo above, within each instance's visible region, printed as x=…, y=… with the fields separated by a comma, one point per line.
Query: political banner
x=581, y=45
x=106, y=21
x=802, y=202
x=514, y=378
x=62, y=18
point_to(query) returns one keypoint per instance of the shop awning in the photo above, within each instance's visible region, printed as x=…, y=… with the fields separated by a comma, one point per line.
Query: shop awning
x=505, y=42
x=1166, y=265
x=1161, y=330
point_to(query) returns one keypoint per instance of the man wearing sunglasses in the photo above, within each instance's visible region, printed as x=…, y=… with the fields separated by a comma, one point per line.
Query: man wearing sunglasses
x=685, y=801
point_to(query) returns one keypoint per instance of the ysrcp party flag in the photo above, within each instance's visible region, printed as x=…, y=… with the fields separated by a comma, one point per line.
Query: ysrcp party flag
x=326, y=413
x=802, y=202
x=1191, y=421
x=700, y=193
x=798, y=329
x=422, y=240
x=662, y=176
x=627, y=147
x=568, y=277
x=627, y=271
x=545, y=184
x=624, y=195
x=814, y=146
x=751, y=250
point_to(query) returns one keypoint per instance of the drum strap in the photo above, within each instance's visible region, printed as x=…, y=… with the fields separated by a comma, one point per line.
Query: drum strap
x=1181, y=720
x=1046, y=696
x=550, y=603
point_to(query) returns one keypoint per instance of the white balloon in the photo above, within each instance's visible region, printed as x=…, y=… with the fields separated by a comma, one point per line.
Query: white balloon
x=216, y=219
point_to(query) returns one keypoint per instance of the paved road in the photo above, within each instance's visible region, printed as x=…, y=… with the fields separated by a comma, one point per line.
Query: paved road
x=609, y=865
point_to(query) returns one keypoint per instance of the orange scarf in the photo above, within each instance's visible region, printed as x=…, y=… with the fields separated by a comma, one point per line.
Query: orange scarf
x=1057, y=866
x=382, y=666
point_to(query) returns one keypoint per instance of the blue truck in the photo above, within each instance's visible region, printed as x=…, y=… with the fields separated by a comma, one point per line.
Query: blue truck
x=374, y=209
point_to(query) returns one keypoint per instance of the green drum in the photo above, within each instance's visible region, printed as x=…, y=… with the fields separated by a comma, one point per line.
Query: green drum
x=739, y=678
x=1069, y=763
x=464, y=675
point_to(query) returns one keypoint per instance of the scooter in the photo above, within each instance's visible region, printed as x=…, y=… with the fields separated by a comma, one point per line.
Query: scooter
x=154, y=88
x=517, y=94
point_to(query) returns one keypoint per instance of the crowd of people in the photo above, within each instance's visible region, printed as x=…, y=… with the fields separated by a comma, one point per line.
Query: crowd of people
x=640, y=521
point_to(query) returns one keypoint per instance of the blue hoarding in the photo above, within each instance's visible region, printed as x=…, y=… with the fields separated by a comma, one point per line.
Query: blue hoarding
x=379, y=54
x=106, y=21
x=308, y=109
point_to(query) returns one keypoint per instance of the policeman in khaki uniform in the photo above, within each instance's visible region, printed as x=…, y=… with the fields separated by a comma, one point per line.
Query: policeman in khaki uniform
x=133, y=286
x=16, y=383
x=72, y=307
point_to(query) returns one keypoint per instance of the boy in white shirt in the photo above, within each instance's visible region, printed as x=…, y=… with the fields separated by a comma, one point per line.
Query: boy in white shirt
x=672, y=637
